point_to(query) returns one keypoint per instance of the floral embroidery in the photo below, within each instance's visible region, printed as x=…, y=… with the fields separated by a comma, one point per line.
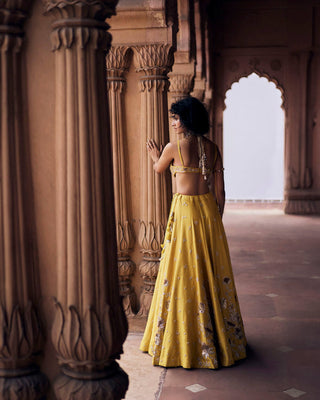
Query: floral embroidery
x=157, y=340
x=161, y=323
x=202, y=307
x=206, y=350
x=224, y=303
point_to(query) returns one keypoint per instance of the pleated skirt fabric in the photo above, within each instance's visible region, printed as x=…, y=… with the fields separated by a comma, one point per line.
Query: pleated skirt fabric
x=194, y=319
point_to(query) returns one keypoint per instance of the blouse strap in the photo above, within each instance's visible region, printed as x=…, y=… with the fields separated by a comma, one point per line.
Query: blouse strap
x=180, y=155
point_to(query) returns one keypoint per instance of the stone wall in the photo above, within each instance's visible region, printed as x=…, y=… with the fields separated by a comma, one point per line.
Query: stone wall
x=280, y=41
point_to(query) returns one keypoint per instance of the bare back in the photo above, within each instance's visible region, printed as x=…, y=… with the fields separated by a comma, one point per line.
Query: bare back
x=190, y=183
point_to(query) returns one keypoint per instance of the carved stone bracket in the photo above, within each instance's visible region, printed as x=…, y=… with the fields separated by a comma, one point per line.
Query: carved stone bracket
x=20, y=333
x=155, y=60
x=90, y=325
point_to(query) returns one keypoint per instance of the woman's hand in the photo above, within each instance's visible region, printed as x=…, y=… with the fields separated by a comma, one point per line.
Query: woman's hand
x=153, y=150
x=161, y=157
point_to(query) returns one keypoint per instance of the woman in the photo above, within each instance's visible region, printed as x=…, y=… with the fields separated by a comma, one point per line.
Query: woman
x=194, y=319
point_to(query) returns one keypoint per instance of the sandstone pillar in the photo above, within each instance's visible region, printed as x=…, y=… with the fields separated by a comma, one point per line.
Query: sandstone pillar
x=199, y=89
x=300, y=195
x=154, y=60
x=20, y=334
x=118, y=60
x=90, y=326
x=183, y=69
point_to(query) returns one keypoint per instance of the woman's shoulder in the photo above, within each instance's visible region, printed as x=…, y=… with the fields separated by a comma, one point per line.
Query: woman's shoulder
x=171, y=145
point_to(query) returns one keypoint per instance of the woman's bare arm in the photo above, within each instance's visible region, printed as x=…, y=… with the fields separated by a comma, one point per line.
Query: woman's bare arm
x=161, y=160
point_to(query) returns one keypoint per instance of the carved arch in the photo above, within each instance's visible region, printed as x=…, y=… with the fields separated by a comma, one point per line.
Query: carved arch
x=261, y=74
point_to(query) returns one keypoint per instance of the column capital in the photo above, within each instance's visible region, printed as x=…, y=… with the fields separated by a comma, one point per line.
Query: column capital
x=117, y=62
x=12, y=16
x=180, y=85
x=154, y=59
x=83, y=9
x=80, y=22
x=13, y=12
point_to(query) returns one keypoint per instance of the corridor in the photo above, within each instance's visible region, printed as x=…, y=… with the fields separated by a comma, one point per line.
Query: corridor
x=276, y=263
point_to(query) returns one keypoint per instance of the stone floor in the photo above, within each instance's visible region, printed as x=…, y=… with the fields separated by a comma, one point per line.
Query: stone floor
x=276, y=263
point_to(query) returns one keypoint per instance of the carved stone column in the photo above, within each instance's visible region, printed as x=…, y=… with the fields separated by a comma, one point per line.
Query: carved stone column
x=90, y=326
x=200, y=83
x=118, y=60
x=300, y=194
x=20, y=334
x=154, y=60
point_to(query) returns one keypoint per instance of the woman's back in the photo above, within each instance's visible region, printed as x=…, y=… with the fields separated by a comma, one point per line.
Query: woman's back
x=186, y=154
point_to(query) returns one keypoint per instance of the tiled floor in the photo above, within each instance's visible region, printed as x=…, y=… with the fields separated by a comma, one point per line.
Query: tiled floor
x=276, y=262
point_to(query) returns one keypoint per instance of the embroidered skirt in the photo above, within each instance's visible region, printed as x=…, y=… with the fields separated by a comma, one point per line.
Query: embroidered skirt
x=194, y=319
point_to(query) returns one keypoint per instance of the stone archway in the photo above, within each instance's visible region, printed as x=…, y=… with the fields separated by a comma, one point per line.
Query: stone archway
x=230, y=69
x=253, y=140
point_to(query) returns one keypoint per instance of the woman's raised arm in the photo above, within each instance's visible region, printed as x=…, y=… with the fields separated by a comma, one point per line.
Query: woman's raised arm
x=162, y=159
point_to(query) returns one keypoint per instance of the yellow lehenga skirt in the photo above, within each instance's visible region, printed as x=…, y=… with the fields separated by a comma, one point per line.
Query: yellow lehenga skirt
x=194, y=319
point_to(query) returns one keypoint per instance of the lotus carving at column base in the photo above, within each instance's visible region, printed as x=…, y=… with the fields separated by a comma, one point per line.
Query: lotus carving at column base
x=20, y=337
x=87, y=346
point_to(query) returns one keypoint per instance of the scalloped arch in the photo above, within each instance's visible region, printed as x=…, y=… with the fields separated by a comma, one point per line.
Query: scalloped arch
x=274, y=80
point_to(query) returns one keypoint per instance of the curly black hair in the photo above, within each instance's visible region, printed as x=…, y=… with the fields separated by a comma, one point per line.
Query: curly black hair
x=193, y=115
